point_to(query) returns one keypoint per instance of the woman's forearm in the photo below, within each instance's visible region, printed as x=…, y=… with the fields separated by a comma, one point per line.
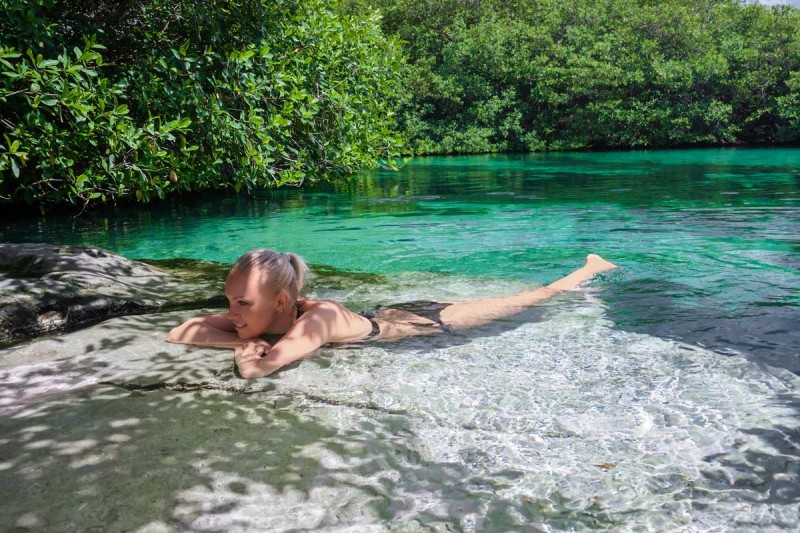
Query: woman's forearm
x=199, y=333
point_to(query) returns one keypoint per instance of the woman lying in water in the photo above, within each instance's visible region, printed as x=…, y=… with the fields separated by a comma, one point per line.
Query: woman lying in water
x=263, y=289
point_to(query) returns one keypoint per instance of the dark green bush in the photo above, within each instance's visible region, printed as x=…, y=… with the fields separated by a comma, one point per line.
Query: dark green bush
x=518, y=75
x=102, y=100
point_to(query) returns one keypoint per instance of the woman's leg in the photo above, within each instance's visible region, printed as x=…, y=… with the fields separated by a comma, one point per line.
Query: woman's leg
x=477, y=312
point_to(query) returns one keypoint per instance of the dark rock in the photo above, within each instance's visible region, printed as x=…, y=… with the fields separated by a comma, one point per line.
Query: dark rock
x=46, y=289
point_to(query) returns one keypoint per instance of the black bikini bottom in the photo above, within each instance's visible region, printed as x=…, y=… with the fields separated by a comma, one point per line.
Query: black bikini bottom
x=424, y=308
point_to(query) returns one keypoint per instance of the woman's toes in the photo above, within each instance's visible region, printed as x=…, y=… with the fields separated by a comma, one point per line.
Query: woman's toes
x=597, y=263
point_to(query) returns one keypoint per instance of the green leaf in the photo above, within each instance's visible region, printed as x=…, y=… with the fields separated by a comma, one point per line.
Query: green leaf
x=14, y=167
x=49, y=100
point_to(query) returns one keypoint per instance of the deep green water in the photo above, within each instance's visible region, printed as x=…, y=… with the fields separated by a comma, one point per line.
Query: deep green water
x=710, y=239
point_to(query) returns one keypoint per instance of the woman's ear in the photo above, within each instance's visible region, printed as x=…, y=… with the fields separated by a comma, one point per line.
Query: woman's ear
x=282, y=300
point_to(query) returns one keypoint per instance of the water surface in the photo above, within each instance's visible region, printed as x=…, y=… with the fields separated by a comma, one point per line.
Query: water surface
x=710, y=238
x=663, y=396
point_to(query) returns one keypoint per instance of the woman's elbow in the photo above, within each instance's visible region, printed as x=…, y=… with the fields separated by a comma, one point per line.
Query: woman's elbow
x=184, y=333
x=177, y=334
x=247, y=373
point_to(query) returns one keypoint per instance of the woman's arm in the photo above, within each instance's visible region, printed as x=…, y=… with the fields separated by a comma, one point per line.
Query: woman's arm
x=218, y=331
x=213, y=330
x=325, y=322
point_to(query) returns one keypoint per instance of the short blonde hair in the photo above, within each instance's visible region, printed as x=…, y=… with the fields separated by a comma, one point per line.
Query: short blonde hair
x=285, y=271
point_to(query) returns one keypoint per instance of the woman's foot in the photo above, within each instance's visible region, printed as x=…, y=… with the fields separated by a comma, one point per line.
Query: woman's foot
x=597, y=264
x=594, y=265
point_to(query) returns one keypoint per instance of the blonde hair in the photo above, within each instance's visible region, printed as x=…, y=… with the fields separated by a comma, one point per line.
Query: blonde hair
x=285, y=271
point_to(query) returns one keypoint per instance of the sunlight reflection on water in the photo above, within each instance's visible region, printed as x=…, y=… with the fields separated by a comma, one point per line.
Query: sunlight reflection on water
x=588, y=425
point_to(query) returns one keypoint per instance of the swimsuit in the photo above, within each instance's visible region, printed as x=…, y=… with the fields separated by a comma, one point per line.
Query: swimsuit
x=376, y=329
x=424, y=308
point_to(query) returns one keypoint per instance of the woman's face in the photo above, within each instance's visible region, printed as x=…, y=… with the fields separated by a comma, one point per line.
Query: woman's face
x=253, y=303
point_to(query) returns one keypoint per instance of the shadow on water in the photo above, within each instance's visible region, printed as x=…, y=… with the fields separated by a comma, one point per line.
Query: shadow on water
x=760, y=476
x=764, y=334
x=125, y=470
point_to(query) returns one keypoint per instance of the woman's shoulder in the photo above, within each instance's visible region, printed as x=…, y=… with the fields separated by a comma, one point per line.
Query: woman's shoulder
x=310, y=306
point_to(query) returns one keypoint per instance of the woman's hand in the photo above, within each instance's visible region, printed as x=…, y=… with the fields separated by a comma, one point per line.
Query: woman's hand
x=251, y=350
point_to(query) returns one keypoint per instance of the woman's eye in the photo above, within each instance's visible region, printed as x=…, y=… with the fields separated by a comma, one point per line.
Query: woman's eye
x=242, y=303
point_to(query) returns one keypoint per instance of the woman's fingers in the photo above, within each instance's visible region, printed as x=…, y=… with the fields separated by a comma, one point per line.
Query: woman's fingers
x=251, y=351
x=244, y=358
x=242, y=355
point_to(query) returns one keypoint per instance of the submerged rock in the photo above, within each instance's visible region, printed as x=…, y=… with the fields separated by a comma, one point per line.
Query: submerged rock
x=46, y=289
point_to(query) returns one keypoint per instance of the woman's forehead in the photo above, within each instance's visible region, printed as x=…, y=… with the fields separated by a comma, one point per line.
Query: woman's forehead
x=241, y=283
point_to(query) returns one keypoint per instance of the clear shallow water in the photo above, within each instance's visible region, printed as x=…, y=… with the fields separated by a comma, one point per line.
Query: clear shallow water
x=710, y=238
x=555, y=421
x=564, y=422
x=581, y=413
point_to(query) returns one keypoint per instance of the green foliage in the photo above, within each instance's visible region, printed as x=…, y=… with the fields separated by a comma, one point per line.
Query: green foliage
x=517, y=75
x=104, y=100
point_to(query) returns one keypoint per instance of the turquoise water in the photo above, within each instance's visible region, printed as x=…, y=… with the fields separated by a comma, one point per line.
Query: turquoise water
x=710, y=238
x=639, y=403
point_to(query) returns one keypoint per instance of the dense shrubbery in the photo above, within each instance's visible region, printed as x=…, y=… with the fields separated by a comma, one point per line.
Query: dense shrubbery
x=101, y=100
x=519, y=75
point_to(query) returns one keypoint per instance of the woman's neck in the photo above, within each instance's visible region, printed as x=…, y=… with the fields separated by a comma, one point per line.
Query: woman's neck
x=285, y=320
